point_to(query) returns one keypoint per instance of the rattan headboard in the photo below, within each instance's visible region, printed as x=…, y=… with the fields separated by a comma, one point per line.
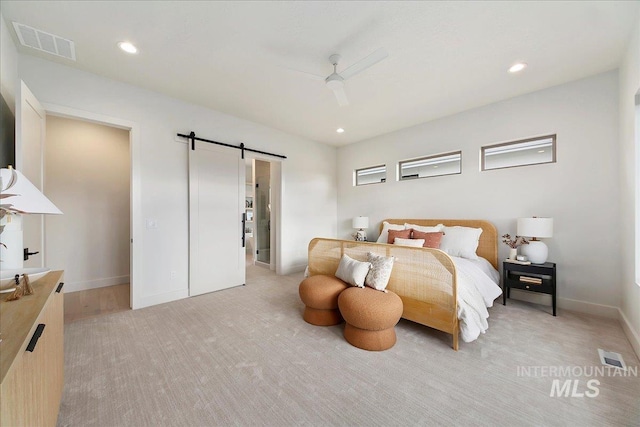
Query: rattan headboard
x=488, y=245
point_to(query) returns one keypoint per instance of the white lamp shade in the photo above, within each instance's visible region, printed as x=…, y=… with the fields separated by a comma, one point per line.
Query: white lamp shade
x=20, y=194
x=360, y=222
x=535, y=227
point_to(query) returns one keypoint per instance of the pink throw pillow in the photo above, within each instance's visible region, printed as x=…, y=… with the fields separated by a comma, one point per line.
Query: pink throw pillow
x=431, y=240
x=403, y=234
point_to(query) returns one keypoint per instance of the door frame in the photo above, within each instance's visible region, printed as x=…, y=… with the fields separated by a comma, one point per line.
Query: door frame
x=135, y=214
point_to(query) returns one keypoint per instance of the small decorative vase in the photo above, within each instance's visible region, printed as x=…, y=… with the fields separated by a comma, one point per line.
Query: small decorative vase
x=513, y=253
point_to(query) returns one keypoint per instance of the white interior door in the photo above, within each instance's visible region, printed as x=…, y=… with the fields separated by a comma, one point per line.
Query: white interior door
x=30, y=134
x=216, y=207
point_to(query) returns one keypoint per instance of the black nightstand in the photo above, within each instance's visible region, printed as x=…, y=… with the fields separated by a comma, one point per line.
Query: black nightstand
x=532, y=277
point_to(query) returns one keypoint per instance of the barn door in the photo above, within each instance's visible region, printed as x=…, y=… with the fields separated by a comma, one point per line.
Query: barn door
x=216, y=209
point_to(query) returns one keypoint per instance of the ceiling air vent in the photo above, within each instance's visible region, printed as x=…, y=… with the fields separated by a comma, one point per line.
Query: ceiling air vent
x=46, y=42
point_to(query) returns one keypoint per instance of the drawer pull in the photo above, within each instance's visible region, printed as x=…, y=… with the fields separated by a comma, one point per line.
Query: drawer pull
x=35, y=337
x=59, y=287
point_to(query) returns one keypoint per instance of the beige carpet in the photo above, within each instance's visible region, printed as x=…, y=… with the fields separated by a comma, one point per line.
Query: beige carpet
x=244, y=356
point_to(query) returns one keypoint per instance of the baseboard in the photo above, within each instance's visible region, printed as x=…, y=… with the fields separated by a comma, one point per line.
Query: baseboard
x=632, y=334
x=293, y=269
x=160, y=298
x=95, y=284
x=601, y=310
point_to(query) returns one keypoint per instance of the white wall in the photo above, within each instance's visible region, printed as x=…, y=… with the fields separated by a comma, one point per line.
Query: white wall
x=629, y=137
x=580, y=191
x=8, y=66
x=87, y=175
x=309, y=184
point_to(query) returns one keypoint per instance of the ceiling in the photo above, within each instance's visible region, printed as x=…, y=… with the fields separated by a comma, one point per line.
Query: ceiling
x=238, y=57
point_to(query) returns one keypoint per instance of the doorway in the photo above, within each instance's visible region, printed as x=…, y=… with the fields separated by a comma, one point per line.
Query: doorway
x=262, y=212
x=87, y=170
x=262, y=203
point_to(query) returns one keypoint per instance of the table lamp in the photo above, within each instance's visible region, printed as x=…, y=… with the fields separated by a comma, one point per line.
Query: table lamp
x=18, y=196
x=361, y=223
x=535, y=228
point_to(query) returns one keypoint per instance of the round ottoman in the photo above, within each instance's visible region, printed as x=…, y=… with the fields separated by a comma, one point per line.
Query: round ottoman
x=371, y=316
x=320, y=296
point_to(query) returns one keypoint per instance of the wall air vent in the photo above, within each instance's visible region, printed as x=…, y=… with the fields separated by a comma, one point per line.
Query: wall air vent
x=45, y=42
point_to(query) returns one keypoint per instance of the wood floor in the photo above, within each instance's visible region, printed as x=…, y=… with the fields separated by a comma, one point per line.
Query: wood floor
x=95, y=302
x=112, y=299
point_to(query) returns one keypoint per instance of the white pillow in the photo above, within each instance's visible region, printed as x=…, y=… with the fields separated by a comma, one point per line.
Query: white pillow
x=380, y=272
x=352, y=271
x=417, y=243
x=424, y=229
x=461, y=241
x=384, y=234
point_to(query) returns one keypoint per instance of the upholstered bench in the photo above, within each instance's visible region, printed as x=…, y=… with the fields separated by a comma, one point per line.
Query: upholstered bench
x=370, y=317
x=320, y=296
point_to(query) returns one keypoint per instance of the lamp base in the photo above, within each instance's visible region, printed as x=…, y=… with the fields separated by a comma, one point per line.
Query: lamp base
x=536, y=251
x=360, y=236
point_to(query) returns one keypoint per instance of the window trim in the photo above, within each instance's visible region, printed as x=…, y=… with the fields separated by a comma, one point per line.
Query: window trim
x=434, y=156
x=554, y=145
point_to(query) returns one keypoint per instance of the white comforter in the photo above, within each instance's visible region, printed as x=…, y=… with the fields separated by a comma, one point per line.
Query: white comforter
x=476, y=291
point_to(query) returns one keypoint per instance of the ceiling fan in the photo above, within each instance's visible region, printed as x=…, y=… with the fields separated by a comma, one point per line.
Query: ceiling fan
x=335, y=81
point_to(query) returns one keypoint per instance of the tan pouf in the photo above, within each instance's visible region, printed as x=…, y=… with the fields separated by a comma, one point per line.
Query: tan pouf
x=371, y=316
x=320, y=296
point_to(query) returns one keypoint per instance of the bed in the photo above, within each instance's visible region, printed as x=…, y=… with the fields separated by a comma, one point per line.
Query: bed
x=450, y=294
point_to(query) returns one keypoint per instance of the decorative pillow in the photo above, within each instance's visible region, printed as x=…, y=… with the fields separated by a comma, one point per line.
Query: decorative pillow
x=424, y=228
x=352, y=271
x=431, y=240
x=461, y=241
x=402, y=234
x=380, y=272
x=418, y=243
x=384, y=234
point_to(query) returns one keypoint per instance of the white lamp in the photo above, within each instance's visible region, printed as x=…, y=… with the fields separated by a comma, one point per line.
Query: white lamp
x=361, y=223
x=536, y=228
x=18, y=196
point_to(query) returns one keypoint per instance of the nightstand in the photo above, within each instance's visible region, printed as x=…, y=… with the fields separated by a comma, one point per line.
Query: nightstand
x=531, y=277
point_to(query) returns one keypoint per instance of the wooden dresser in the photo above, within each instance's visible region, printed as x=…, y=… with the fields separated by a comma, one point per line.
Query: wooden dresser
x=32, y=368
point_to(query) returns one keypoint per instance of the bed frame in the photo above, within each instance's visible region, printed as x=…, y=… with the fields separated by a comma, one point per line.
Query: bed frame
x=424, y=278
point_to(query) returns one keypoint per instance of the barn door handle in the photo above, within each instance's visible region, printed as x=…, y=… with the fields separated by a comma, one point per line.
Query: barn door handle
x=35, y=337
x=244, y=224
x=59, y=287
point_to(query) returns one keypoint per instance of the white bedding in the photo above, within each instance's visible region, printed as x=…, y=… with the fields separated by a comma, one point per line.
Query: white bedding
x=477, y=289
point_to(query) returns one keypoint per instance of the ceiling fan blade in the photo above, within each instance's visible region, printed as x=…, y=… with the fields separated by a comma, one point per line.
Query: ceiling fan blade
x=309, y=75
x=365, y=63
x=341, y=95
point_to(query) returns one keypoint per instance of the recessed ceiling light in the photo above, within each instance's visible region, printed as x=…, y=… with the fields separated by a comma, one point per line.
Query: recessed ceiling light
x=517, y=67
x=541, y=151
x=340, y=130
x=128, y=47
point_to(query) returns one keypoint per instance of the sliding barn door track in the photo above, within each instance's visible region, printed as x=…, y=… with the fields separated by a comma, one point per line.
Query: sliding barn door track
x=193, y=138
